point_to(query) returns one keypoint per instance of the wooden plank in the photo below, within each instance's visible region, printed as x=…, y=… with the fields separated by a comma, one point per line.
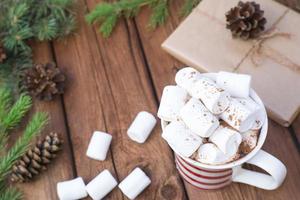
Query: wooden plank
x=163, y=68
x=44, y=186
x=78, y=56
x=296, y=129
x=108, y=87
x=279, y=143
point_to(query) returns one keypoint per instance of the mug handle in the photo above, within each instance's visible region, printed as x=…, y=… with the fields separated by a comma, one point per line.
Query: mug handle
x=276, y=169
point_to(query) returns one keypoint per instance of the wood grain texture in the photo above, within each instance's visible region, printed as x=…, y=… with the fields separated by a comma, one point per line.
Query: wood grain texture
x=296, y=129
x=109, y=82
x=79, y=57
x=109, y=87
x=44, y=186
x=163, y=69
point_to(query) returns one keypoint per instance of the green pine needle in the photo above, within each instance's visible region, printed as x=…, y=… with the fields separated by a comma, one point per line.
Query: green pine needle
x=5, y=102
x=46, y=29
x=25, y=20
x=11, y=194
x=188, y=6
x=33, y=128
x=108, y=25
x=160, y=13
x=100, y=12
x=107, y=14
x=17, y=112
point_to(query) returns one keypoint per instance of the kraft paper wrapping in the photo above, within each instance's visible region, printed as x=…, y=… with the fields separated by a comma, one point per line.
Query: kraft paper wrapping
x=202, y=41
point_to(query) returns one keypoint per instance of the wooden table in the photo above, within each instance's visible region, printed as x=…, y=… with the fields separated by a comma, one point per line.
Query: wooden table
x=109, y=82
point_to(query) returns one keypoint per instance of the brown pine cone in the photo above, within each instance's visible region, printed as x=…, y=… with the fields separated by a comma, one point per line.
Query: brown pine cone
x=44, y=81
x=246, y=20
x=35, y=160
x=3, y=55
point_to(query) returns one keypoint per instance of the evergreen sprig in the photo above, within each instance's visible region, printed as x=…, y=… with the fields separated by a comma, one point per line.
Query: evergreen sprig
x=25, y=20
x=188, y=6
x=11, y=194
x=107, y=14
x=11, y=115
x=33, y=128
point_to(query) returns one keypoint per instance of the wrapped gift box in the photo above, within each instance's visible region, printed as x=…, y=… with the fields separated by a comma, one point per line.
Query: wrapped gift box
x=273, y=60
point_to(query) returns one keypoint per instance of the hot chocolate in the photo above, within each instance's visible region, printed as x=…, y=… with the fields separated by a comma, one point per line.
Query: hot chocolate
x=210, y=120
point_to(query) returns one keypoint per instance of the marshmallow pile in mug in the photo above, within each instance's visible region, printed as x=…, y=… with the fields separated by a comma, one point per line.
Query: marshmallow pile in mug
x=211, y=118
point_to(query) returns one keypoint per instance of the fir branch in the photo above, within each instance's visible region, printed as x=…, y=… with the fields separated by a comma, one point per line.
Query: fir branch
x=188, y=6
x=11, y=194
x=33, y=128
x=108, y=25
x=160, y=13
x=25, y=20
x=17, y=112
x=5, y=102
x=46, y=29
x=107, y=14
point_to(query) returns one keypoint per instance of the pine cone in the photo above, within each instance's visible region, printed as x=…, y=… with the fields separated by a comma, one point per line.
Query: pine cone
x=36, y=159
x=44, y=81
x=2, y=54
x=246, y=20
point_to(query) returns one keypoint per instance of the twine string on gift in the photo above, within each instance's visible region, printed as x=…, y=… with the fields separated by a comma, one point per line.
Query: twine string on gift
x=259, y=51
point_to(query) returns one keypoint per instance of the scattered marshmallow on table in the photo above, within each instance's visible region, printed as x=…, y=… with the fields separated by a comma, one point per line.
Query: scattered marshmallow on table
x=186, y=77
x=198, y=118
x=238, y=85
x=71, y=189
x=260, y=115
x=134, y=183
x=99, y=145
x=181, y=139
x=209, y=153
x=172, y=100
x=101, y=185
x=238, y=116
x=141, y=127
x=214, y=98
x=227, y=139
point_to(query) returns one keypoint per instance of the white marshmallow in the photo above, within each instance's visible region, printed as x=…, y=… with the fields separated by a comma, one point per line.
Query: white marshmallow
x=101, y=185
x=186, y=77
x=181, y=139
x=99, y=145
x=141, y=127
x=172, y=100
x=249, y=140
x=238, y=85
x=260, y=115
x=71, y=190
x=227, y=140
x=209, y=153
x=214, y=98
x=198, y=118
x=238, y=116
x=134, y=183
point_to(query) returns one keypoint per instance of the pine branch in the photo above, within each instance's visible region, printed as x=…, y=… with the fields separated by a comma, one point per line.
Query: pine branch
x=11, y=194
x=33, y=128
x=25, y=20
x=107, y=14
x=17, y=112
x=160, y=13
x=5, y=102
x=188, y=6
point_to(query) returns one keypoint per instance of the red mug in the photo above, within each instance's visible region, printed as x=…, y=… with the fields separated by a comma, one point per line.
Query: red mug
x=205, y=176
